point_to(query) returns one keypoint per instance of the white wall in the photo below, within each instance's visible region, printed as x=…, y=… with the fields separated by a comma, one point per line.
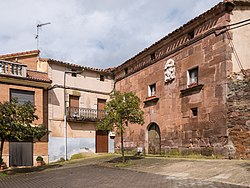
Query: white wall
x=241, y=38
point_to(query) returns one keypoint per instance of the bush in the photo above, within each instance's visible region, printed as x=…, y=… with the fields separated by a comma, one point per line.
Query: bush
x=76, y=156
x=1, y=161
x=61, y=159
x=207, y=151
x=39, y=158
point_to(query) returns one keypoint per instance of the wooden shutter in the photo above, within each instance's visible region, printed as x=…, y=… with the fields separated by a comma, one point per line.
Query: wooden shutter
x=74, y=101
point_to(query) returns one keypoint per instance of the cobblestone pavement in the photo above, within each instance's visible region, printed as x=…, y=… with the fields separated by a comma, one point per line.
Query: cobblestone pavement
x=100, y=176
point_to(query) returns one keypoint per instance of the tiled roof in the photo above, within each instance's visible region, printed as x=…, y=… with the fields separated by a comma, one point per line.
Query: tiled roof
x=38, y=76
x=107, y=70
x=13, y=55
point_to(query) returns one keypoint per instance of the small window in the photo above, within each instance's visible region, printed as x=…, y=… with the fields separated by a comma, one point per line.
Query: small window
x=194, y=112
x=74, y=73
x=126, y=70
x=152, y=90
x=191, y=35
x=152, y=56
x=102, y=78
x=193, y=77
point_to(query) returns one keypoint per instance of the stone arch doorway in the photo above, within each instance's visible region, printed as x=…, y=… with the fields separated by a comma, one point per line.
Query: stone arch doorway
x=154, y=139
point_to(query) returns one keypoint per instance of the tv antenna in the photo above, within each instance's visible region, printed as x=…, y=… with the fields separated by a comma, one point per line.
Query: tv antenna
x=38, y=27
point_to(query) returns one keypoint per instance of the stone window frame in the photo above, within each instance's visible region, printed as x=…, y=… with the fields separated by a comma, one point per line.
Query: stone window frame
x=152, y=90
x=194, y=112
x=193, y=77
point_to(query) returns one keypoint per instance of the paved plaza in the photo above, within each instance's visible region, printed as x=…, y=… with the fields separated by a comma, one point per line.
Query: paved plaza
x=107, y=171
x=99, y=176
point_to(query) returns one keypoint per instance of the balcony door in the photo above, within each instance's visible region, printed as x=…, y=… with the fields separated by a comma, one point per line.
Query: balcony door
x=74, y=106
x=101, y=103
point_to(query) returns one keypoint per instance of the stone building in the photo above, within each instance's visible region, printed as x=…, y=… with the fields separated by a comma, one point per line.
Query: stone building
x=20, y=78
x=184, y=82
x=84, y=92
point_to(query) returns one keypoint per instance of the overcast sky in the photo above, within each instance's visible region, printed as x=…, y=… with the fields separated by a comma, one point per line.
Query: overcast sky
x=96, y=33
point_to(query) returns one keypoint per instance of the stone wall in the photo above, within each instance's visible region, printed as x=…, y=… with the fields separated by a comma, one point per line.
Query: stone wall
x=171, y=109
x=238, y=114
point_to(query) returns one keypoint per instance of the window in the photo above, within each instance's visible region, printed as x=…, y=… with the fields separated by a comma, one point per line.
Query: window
x=194, y=112
x=102, y=78
x=192, y=77
x=73, y=106
x=152, y=90
x=152, y=56
x=126, y=71
x=73, y=74
x=191, y=35
x=22, y=96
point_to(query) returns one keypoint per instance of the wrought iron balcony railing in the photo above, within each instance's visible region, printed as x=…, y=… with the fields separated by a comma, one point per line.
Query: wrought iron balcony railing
x=84, y=114
x=14, y=69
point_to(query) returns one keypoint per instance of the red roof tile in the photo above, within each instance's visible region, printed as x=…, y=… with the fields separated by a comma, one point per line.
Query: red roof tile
x=107, y=70
x=39, y=76
x=12, y=55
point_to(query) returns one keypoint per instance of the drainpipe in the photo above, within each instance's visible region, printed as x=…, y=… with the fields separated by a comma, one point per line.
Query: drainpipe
x=65, y=111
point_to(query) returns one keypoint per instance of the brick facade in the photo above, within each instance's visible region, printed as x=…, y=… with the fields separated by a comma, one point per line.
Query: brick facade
x=36, y=84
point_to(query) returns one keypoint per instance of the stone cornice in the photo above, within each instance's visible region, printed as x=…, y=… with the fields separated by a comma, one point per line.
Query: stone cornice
x=174, y=39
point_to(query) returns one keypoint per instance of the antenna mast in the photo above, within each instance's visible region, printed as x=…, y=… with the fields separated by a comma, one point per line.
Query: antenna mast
x=37, y=32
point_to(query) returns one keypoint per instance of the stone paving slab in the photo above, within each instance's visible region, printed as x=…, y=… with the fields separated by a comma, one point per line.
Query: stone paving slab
x=227, y=171
x=139, y=172
x=99, y=176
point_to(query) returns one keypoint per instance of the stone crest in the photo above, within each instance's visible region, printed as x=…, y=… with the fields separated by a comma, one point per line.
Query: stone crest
x=169, y=70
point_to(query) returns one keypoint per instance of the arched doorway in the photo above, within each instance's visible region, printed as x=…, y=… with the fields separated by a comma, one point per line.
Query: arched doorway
x=154, y=139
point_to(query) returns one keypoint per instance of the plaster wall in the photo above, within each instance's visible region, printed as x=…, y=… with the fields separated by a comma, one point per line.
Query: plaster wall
x=80, y=135
x=241, y=36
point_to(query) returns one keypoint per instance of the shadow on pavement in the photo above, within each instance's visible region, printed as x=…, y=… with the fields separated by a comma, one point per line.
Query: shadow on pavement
x=17, y=170
x=127, y=158
x=246, y=166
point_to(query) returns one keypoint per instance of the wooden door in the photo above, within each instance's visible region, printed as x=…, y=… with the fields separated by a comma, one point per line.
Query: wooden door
x=101, y=141
x=101, y=103
x=154, y=140
x=21, y=154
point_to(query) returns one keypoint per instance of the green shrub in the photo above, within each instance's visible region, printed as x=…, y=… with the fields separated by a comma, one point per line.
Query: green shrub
x=61, y=159
x=207, y=151
x=39, y=158
x=76, y=156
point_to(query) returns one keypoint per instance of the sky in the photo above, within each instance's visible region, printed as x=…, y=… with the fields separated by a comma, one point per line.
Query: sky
x=95, y=33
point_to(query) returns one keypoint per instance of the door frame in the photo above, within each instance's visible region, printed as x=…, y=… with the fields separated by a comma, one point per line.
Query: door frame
x=146, y=136
x=106, y=136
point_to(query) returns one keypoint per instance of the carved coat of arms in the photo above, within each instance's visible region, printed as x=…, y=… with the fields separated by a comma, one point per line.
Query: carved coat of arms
x=169, y=70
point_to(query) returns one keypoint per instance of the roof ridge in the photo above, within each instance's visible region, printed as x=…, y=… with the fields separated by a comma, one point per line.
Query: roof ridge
x=19, y=54
x=172, y=33
x=79, y=66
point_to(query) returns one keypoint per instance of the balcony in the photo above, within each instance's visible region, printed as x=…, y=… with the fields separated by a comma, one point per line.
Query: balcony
x=13, y=69
x=84, y=114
